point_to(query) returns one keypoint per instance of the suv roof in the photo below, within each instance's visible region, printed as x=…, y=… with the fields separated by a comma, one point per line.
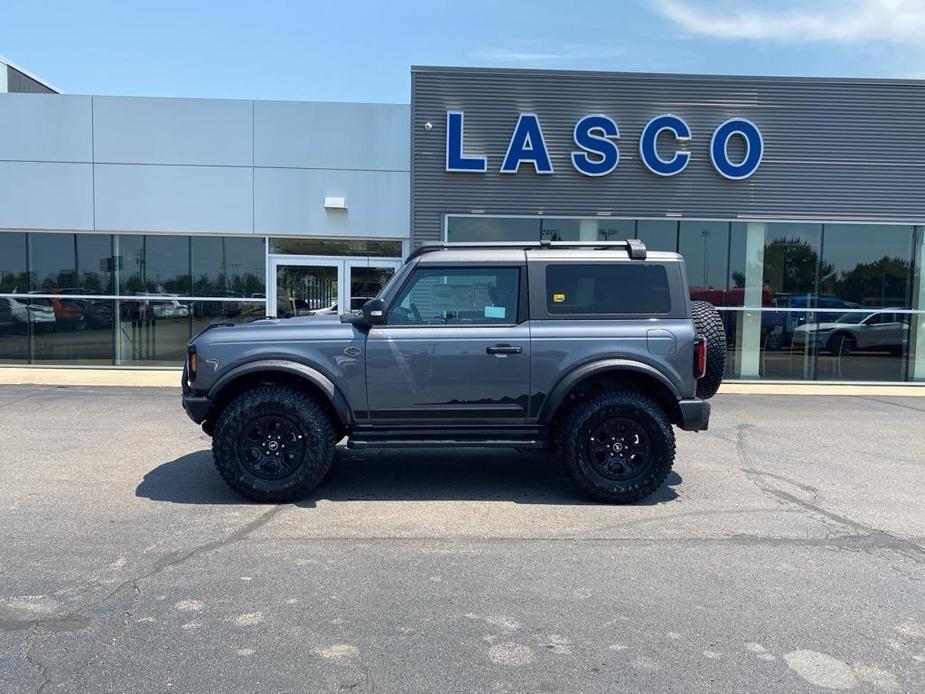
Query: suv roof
x=632, y=248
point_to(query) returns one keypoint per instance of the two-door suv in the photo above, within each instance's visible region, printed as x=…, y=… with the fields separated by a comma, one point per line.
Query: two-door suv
x=593, y=349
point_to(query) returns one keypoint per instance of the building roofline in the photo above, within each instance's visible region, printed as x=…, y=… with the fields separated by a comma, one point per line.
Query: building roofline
x=30, y=75
x=657, y=75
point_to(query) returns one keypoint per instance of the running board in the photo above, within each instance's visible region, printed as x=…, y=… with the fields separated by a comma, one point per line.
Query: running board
x=449, y=437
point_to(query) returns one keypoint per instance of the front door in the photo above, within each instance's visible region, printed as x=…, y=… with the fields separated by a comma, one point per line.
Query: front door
x=456, y=347
x=318, y=285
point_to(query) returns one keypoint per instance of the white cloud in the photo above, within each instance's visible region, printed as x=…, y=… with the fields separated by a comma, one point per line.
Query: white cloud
x=845, y=21
x=538, y=55
x=501, y=55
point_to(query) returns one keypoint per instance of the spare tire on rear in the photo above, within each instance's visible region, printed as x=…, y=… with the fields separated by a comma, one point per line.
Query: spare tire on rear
x=707, y=322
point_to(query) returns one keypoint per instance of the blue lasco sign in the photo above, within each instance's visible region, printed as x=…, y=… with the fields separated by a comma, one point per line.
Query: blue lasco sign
x=598, y=154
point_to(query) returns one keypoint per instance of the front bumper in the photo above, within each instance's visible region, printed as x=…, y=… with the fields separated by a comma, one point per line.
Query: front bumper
x=695, y=414
x=196, y=406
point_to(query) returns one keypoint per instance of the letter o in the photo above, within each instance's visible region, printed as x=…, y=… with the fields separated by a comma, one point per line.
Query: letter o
x=719, y=145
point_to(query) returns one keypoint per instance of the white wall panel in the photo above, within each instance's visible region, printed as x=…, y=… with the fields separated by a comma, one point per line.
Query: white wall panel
x=291, y=201
x=173, y=131
x=45, y=127
x=43, y=195
x=332, y=136
x=173, y=198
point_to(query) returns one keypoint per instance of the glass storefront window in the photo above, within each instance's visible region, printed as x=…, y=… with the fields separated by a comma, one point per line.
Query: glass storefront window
x=354, y=247
x=166, y=265
x=128, y=259
x=868, y=265
x=593, y=229
x=658, y=234
x=53, y=262
x=225, y=266
x=72, y=327
x=72, y=331
x=13, y=272
x=472, y=229
x=15, y=325
x=705, y=247
x=558, y=229
x=800, y=300
x=94, y=264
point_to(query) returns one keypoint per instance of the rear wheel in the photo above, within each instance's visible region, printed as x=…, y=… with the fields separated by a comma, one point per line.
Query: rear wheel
x=273, y=443
x=617, y=447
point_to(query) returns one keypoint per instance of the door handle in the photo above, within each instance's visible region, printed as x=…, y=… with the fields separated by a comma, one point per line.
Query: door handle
x=504, y=349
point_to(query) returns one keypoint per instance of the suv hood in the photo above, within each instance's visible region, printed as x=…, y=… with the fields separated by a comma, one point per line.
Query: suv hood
x=324, y=327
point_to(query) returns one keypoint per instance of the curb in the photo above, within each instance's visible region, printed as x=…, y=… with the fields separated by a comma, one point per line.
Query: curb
x=170, y=378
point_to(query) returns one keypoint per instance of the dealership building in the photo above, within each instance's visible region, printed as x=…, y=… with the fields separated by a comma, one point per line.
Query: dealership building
x=129, y=224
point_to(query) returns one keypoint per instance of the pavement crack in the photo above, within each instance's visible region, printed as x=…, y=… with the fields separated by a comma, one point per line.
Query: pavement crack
x=172, y=559
x=890, y=402
x=760, y=479
x=41, y=667
x=77, y=619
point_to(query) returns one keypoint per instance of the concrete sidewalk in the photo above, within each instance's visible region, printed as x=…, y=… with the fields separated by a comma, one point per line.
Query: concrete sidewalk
x=170, y=377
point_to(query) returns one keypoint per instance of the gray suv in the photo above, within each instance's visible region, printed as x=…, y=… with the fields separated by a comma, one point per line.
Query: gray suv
x=592, y=349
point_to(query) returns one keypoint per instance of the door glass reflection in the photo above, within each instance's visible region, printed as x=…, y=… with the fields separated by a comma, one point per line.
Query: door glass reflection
x=306, y=290
x=366, y=283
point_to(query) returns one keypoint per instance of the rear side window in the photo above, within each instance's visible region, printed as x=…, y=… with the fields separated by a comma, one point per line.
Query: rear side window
x=607, y=288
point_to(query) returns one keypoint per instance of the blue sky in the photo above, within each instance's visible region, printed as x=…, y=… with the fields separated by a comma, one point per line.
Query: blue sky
x=357, y=50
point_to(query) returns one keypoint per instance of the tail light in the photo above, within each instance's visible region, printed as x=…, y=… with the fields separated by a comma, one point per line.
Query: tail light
x=700, y=356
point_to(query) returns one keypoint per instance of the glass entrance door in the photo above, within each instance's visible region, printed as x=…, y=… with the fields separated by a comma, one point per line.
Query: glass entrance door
x=309, y=286
x=306, y=289
x=366, y=278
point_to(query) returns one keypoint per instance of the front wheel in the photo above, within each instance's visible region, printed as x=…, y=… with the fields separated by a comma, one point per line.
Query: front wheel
x=842, y=345
x=273, y=443
x=617, y=447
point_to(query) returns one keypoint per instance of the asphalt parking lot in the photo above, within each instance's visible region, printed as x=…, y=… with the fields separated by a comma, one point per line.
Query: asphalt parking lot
x=785, y=554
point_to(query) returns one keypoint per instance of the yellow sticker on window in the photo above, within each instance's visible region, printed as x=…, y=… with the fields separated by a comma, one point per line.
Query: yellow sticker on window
x=558, y=298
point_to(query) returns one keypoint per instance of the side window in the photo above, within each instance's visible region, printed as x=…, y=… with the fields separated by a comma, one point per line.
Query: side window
x=612, y=288
x=458, y=296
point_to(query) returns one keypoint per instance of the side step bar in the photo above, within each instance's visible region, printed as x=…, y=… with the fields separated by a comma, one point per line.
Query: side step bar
x=449, y=437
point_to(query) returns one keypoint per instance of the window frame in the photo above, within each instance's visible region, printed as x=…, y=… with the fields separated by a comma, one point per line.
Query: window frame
x=522, y=293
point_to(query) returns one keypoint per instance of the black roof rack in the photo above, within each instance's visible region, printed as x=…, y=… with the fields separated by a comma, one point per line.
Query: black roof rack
x=635, y=247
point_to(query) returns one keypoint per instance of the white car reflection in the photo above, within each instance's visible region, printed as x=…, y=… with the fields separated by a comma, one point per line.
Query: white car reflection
x=853, y=332
x=16, y=314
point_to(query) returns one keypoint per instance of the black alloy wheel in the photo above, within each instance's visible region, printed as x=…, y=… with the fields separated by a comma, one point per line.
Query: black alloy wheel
x=618, y=448
x=271, y=447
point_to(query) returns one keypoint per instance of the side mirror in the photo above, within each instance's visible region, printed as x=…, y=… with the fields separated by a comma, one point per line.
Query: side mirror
x=372, y=313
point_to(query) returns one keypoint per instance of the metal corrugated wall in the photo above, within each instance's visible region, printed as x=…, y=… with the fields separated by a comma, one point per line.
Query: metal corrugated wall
x=835, y=149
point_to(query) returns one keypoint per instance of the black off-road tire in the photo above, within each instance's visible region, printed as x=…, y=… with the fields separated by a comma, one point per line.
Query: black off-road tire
x=574, y=438
x=708, y=323
x=307, y=418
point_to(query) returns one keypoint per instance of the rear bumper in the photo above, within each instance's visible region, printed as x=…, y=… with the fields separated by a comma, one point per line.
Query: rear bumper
x=695, y=414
